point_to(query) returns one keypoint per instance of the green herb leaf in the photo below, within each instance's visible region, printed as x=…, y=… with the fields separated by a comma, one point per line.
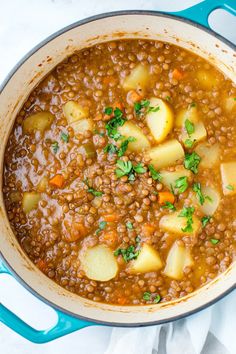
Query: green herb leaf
x=127, y=253
x=108, y=110
x=182, y=184
x=189, y=143
x=193, y=104
x=110, y=148
x=101, y=226
x=214, y=241
x=230, y=187
x=55, y=147
x=146, y=296
x=114, y=123
x=154, y=173
x=192, y=161
x=92, y=190
x=153, y=109
x=169, y=205
x=157, y=299
x=139, y=105
x=129, y=225
x=65, y=137
x=138, y=239
x=124, y=145
x=124, y=168
x=139, y=168
x=168, y=98
x=205, y=220
x=98, y=132
x=198, y=191
x=189, y=126
x=187, y=212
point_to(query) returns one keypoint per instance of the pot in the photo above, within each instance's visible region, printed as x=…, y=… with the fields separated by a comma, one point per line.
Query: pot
x=73, y=311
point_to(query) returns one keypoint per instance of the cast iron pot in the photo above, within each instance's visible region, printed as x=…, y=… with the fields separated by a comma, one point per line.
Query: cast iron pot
x=73, y=311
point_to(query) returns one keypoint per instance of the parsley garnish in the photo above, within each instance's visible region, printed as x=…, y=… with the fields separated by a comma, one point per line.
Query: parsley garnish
x=55, y=147
x=155, y=174
x=139, y=168
x=230, y=187
x=139, y=105
x=187, y=212
x=153, y=109
x=193, y=104
x=129, y=225
x=182, y=184
x=108, y=110
x=110, y=148
x=157, y=299
x=92, y=190
x=114, y=123
x=189, y=126
x=214, y=241
x=127, y=168
x=192, y=161
x=198, y=191
x=205, y=220
x=189, y=143
x=127, y=253
x=65, y=137
x=98, y=132
x=148, y=296
x=124, y=145
x=168, y=98
x=101, y=226
x=169, y=205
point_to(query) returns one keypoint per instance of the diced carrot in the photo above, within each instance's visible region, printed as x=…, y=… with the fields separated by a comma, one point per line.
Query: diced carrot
x=109, y=80
x=41, y=264
x=118, y=104
x=111, y=217
x=177, y=74
x=164, y=197
x=75, y=231
x=98, y=117
x=122, y=300
x=109, y=237
x=133, y=97
x=148, y=230
x=57, y=181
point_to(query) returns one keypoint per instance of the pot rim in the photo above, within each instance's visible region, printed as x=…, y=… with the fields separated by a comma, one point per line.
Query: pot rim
x=5, y=82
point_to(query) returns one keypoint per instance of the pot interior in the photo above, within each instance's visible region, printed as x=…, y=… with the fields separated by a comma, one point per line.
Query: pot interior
x=22, y=80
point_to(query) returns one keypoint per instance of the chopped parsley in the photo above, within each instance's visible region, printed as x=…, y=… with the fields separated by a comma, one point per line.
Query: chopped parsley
x=146, y=296
x=98, y=132
x=154, y=173
x=168, y=98
x=101, y=226
x=111, y=149
x=193, y=104
x=114, y=123
x=129, y=225
x=192, y=161
x=182, y=184
x=187, y=212
x=65, y=137
x=138, y=106
x=197, y=189
x=189, y=143
x=55, y=147
x=126, y=168
x=108, y=110
x=157, y=299
x=189, y=126
x=230, y=187
x=92, y=190
x=214, y=241
x=128, y=253
x=153, y=109
x=151, y=297
x=205, y=220
x=169, y=205
x=139, y=168
x=124, y=145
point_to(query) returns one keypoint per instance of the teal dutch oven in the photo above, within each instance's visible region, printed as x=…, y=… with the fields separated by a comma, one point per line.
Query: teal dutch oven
x=188, y=29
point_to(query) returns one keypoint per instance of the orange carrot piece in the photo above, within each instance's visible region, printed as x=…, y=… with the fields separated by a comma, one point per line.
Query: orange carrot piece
x=133, y=97
x=121, y=300
x=41, y=264
x=164, y=197
x=118, y=104
x=57, y=181
x=148, y=230
x=111, y=217
x=177, y=74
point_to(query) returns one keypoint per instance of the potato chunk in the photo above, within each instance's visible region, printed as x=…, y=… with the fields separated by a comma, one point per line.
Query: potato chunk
x=147, y=261
x=43, y=184
x=178, y=258
x=166, y=154
x=190, y=113
x=130, y=129
x=138, y=77
x=206, y=79
x=39, y=121
x=210, y=154
x=211, y=202
x=82, y=125
x=199, y=133
x=175, y=224
x=169, y=178
x=230, y=104
x=30, y=201
x=159, y=119
x=73, y=111
x=228, y=176
x=99, y=263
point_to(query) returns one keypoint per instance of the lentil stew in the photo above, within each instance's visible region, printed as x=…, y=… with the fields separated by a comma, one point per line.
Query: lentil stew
x=120, y=173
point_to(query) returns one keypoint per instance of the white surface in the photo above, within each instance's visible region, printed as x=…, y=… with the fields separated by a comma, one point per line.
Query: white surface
x=23, y=23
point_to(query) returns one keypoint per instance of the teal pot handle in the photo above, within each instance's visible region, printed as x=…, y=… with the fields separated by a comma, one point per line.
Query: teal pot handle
x=65, y=324
x=200, y=13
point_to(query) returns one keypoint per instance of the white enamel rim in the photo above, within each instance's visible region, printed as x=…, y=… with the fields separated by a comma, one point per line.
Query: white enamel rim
x=14, y=91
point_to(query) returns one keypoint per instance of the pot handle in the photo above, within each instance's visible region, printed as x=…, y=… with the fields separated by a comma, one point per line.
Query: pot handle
x=65, y=324
x=200, y=12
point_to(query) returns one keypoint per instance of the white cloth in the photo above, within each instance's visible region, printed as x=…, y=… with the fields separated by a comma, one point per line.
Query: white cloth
x=23, y=23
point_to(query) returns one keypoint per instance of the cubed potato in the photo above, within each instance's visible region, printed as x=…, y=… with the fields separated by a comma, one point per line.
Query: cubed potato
x=73, y=111
x=199, y=133
x=130, y=129
x=82, y=125
x=175, y=224
x=43, y=184
x=38, y=122
x=230, y=104
x=30, y=201
x=166, y=154
x=178, y=258
x=139, y=77
x=169, y=178
x=212, y=200
x=99, y=263
x=148, y=260
x=228, y=176
x=160, y=122
x=210, y=154
x=206, y=79
x=190, y=113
